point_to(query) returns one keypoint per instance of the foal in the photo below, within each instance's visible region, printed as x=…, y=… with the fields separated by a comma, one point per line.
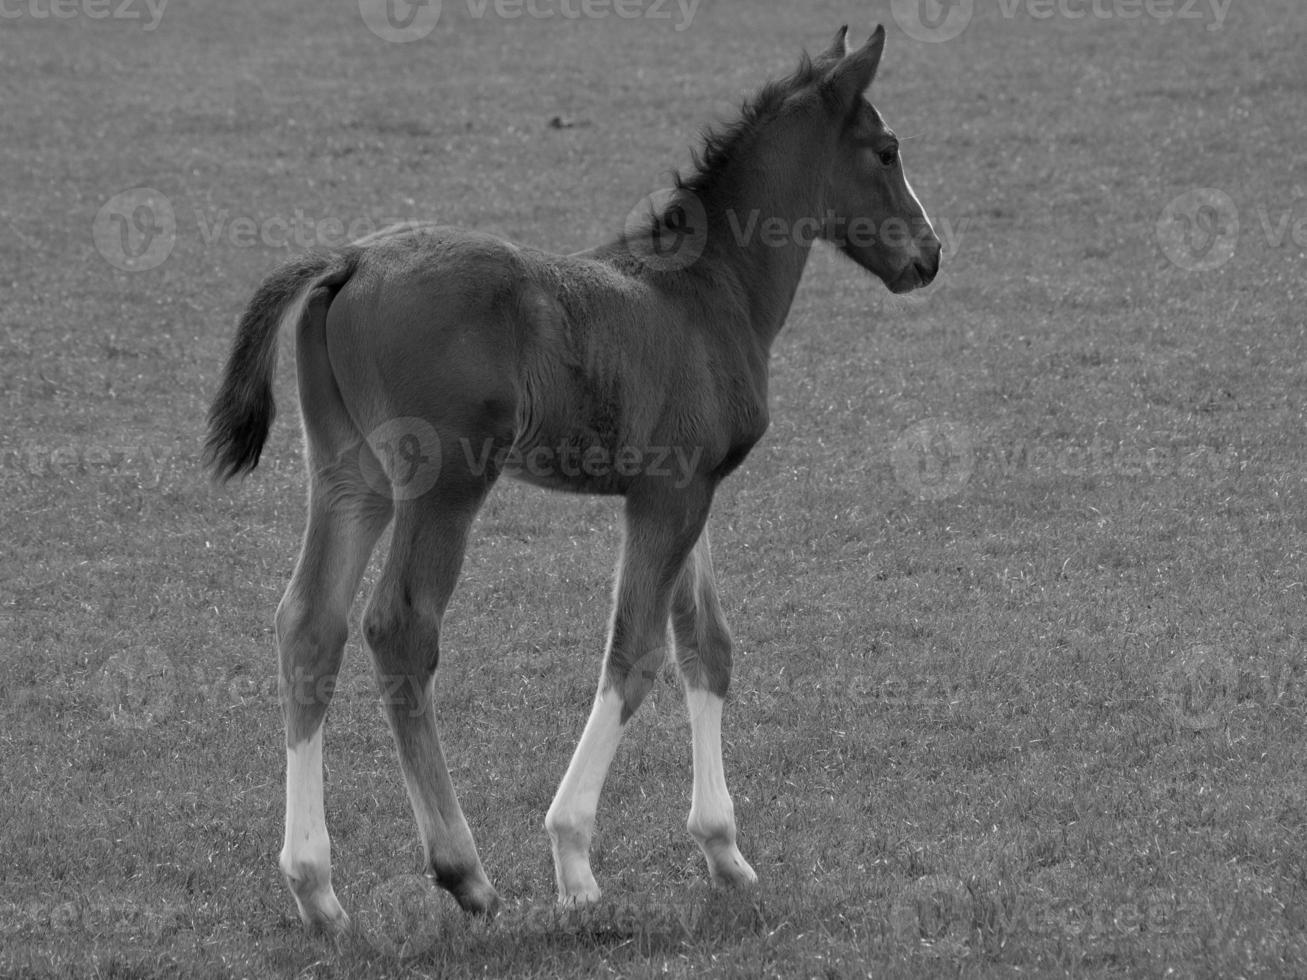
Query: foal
x=432, y=360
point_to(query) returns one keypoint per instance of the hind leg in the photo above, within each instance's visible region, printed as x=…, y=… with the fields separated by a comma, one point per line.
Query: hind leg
x=703, y=651
x=311, y=634
x=660, y=530
x=345, y=519
x=402, y=626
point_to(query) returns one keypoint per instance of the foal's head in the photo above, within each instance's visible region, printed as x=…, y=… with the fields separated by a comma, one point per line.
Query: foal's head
x=869, y=209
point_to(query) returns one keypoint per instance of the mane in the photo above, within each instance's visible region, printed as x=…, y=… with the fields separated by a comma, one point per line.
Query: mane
x=722, y=145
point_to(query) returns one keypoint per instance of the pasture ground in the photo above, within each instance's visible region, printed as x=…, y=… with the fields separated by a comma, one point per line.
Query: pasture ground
x=1016, y=577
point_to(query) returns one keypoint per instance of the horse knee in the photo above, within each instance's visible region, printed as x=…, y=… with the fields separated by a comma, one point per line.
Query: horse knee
x=403, y=636
x=299, y=623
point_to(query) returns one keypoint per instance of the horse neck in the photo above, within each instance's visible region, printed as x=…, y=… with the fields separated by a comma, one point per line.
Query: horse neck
x=760, y=230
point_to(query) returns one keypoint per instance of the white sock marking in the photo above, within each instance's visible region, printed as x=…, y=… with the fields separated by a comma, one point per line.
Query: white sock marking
x=712, y=814
x=571, y=816
x=306, y=850
x=711, y=810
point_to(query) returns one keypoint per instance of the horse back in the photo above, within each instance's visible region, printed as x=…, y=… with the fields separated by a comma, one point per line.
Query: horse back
x=567, y=371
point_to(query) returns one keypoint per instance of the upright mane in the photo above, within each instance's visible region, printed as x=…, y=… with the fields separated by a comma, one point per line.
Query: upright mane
x=721, y=145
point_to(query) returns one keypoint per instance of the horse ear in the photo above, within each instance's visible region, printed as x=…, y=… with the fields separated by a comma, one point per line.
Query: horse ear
x=855, y=73
x=838, y=47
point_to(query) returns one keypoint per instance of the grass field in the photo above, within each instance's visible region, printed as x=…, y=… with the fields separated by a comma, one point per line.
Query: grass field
x=1016, y=577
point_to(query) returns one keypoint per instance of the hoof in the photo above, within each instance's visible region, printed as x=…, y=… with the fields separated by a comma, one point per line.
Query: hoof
x=728, y=869
x=580, y=898
x=333, y=924
x=476, y=897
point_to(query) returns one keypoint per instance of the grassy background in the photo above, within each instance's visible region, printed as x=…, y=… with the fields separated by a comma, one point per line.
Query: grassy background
x=1050, y=723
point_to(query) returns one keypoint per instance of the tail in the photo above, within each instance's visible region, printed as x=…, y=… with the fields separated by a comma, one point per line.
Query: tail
x=243, y=409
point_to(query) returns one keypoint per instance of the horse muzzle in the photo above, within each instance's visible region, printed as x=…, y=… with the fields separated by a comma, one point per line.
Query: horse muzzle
x=918, y=272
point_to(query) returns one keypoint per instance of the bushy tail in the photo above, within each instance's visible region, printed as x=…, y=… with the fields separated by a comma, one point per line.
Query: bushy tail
x=243, y=409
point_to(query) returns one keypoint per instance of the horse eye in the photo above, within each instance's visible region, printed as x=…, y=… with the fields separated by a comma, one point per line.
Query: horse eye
x=887, y=157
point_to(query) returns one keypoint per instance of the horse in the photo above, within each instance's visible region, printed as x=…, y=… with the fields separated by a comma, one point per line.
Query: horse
x=431, y=361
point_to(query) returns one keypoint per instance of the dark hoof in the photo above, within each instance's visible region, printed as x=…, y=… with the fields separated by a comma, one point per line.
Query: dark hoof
x=474, y=894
